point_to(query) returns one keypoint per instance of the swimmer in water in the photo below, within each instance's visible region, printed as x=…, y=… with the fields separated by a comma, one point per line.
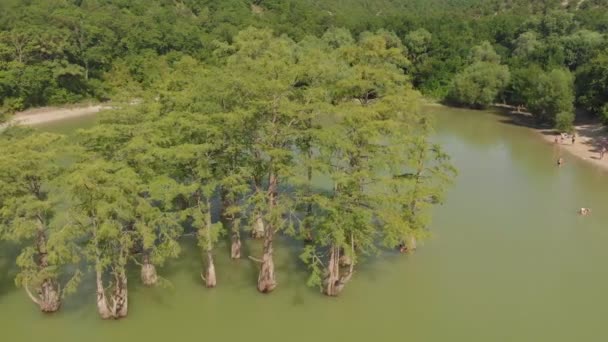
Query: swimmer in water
x=584, y=211
x=560, y=161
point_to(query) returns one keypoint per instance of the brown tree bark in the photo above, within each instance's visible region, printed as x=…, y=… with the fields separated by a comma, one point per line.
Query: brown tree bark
x=116, y=305
x=148, y=272
x=48, y=293
x=231, y=220
x=335, y=282
x=258, y=227
x=235, y=247
x=266, y=278
x=210, y=277
x=102, y=302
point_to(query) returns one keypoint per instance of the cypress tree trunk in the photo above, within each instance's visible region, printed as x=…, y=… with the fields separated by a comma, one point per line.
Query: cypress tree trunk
x=334, y=282
x=258, y=227
x=209, y=277
x=116, y=305
x=148, y=272
x=49, y=296
x=258, y=222
x=266, y=279
x=102, y=301
x=308, y=238
x=230, y=219
x=345, y=260
x=235, y=248
x=120, y=297
x=49, y=293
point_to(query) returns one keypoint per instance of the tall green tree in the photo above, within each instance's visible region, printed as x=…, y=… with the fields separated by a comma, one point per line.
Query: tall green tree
x=106, y=208
x=29, y=207
x=481, y=82
x=549, y=96
x=592, y=86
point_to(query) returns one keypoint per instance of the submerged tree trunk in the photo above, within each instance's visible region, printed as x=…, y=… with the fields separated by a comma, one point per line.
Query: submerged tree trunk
x=235, y=247
x=307, y=228
x=266, y=279
x=230, y=219
x=345, y=260
x=209, y=277
x=116, y=305
x=334, y=282
x=148, y=272
x=102, y=302
x=258, y=227
x=48, y=296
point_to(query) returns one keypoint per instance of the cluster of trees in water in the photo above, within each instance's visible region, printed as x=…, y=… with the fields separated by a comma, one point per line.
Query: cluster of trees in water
x=224, y=151
x=548, y=56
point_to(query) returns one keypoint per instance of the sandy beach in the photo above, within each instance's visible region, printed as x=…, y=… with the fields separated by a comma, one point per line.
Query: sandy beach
x=589, y=139
x=48, y=114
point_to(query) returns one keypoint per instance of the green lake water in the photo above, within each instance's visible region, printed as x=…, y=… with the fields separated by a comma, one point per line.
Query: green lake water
x=510, y=260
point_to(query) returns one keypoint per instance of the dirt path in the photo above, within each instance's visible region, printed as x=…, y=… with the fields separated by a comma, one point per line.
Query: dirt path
x=49, y=114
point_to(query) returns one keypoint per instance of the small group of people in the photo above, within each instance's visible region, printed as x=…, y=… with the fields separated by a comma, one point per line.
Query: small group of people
x=563, y=137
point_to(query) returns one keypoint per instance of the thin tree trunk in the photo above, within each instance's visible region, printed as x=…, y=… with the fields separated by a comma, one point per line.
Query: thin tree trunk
x=258, y=227
x=266, y=278
x=334, y=283
x=235, y=247
x=148, y=272
x=210, y=277
x=258, y=221
x=231, y=219
x=120, y=297
x=102, y=301
x=308, y=237
x=49, y=294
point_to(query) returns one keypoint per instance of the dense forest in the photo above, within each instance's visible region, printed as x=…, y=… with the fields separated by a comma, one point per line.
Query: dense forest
x=226, y=111
x=546, y=56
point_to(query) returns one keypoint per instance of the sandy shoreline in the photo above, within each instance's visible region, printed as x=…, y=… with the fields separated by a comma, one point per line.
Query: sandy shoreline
x=589, y=139
x=49, y=114
x=591, y=135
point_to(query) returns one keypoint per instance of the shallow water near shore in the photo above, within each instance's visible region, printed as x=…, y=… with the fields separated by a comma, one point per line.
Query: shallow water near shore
x=510, y=260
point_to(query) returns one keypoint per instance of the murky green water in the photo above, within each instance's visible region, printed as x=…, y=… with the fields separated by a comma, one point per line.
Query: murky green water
x=510, y=261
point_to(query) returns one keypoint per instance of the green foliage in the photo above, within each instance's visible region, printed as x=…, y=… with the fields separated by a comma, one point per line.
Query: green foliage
x=592, y=85
x=29, y=207
x=480, y=84
x=546, y=94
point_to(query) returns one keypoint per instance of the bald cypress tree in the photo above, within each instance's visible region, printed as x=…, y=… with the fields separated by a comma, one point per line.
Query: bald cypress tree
x=29, y=206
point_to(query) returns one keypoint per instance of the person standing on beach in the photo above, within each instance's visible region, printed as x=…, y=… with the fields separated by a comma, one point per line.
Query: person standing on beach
x=602, y=152
x=556, y=140
x=573, y=138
